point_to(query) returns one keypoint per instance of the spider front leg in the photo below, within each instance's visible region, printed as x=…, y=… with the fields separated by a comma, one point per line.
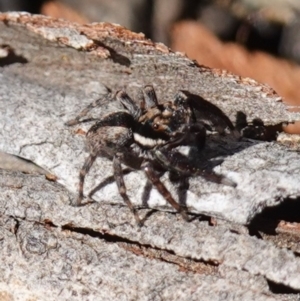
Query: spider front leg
x=161, y=188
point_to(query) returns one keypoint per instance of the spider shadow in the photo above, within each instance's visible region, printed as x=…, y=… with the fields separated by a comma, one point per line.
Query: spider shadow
x=218, y=147
x=107, y=181
x=215, y=151
x=181, y=184
x=11, y=57
x=256, y=129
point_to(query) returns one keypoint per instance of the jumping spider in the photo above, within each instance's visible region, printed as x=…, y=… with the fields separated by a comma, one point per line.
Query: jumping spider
x=148, y=136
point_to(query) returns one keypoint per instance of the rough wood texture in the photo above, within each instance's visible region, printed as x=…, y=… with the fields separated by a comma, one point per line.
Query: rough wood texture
x=52, y=69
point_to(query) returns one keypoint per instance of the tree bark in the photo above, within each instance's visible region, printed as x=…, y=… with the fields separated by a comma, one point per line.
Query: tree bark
x=50, y=70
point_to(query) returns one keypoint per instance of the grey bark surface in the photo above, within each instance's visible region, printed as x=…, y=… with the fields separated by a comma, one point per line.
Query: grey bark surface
x=52, y=70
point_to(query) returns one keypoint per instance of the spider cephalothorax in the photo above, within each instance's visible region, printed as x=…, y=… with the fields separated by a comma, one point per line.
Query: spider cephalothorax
x=149, y=136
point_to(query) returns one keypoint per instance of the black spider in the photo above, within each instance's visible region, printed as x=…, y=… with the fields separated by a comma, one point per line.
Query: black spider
x=149, y=136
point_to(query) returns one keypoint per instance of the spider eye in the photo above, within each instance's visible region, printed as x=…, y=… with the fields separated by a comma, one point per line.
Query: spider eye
x=155, y=126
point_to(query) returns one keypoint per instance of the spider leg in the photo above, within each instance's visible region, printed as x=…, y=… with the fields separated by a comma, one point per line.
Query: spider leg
x=152, y=176
x=118, y=174
x=94, y=104
x=182, y=186
x=84, y=170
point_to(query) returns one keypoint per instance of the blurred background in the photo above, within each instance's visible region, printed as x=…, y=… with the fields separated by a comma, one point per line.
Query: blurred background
x=252, y=38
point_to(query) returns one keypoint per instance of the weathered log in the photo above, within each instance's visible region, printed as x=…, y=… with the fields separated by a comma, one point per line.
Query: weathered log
x=51, y=69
